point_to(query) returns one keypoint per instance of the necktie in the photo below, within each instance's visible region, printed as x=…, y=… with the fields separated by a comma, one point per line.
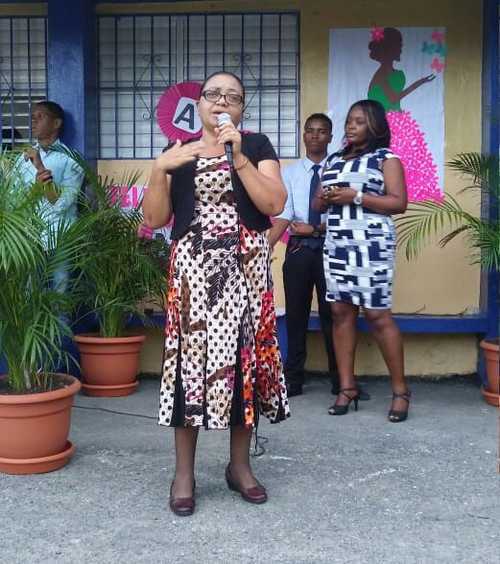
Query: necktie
x=314, y=216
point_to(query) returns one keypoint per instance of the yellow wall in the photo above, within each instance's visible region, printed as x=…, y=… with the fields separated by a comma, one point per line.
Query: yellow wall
x=425, y=355
x=34, y=9
x=440, y=281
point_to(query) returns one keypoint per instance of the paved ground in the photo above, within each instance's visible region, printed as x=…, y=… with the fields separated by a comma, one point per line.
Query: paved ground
x=342, y=489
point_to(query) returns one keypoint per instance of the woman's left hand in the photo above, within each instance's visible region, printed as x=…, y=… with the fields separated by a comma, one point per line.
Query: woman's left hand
x=228, y=133
x=339, y=196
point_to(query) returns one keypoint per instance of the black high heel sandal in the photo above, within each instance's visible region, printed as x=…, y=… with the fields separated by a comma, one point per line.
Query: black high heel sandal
x=343, y=409
x=398, y=416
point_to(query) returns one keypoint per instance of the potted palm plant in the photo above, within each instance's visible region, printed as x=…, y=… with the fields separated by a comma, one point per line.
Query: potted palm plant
x=35, y=402
x=119, y=272
x=425, y=220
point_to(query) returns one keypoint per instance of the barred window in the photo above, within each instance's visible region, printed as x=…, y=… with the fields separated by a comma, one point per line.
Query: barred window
x=139, y=57
x=23, y=74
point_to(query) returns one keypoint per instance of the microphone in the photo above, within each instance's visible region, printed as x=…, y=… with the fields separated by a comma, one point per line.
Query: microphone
x=222, y=119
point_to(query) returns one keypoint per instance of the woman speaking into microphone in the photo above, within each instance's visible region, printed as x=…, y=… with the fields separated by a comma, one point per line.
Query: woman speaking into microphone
x=221, y=366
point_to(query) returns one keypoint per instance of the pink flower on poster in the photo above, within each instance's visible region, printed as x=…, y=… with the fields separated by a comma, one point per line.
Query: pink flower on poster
x=437, y=36
x=377, y=34
x=437, y=65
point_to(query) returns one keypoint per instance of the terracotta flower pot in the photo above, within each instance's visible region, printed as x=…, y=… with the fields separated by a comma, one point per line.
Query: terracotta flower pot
x=109, y=365
x=491, y=355
x=35, y=428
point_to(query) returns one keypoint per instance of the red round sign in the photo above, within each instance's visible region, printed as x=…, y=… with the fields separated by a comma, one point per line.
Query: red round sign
x=177, y=114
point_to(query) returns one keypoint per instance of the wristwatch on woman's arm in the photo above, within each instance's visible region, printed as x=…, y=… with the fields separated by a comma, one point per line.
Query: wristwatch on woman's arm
x=358, y=198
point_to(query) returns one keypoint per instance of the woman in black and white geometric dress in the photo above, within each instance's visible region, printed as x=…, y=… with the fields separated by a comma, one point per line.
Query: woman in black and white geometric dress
x=362, y=186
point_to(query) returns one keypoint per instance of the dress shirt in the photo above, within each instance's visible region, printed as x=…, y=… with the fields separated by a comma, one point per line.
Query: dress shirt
x=297, y=178
x=66, y=174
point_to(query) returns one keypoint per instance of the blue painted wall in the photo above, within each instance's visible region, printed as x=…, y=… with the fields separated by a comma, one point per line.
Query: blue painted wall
x=71, y=73
x=491, y=138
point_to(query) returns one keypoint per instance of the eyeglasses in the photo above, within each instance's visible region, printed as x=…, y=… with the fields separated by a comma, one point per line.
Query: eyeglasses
x=215, y=95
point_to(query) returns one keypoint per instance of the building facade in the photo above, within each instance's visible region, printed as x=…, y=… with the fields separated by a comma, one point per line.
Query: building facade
x=108, y=64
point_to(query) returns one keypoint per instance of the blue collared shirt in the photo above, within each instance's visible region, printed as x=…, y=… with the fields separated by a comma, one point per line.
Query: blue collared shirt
x=297, y=178
x=67, y=176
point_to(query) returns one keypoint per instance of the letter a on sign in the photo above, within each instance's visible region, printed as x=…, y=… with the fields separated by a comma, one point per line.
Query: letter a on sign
x=177, y=114
x=186, y=116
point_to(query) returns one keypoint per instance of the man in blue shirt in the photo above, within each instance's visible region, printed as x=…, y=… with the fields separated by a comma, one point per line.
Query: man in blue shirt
x=303, y=265
x=46, y=163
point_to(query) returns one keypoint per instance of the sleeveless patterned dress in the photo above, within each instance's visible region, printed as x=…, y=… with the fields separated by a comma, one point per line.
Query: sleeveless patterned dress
x=360, y=244
x=221, y=363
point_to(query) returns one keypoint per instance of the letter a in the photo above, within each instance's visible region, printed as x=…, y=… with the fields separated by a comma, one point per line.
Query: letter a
x=186, y=115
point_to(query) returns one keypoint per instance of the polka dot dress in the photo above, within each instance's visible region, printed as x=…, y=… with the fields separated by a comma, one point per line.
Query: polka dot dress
x=221, y=363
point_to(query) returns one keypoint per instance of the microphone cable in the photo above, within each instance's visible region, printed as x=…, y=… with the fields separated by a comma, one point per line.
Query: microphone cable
x=259, y=440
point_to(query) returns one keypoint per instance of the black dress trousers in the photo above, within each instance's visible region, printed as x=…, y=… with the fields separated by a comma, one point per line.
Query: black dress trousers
x=302, y=272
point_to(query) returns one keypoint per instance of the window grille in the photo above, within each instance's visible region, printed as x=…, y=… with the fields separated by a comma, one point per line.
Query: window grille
x=23, y=74
x=141, y=56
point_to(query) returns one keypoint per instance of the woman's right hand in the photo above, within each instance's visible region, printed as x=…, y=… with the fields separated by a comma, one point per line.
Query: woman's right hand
x=328, y=193
x=177, y=156
x=339, y=195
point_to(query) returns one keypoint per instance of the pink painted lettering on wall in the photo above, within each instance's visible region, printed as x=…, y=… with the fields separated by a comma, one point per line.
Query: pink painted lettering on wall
x=130, y=197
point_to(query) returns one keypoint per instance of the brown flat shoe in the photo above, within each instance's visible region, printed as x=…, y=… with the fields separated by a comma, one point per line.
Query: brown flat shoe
x=181, y=506
x=257, y=494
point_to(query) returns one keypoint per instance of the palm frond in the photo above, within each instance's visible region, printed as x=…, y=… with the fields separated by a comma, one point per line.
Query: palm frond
x=483, y=170
x=473, y=165
x=31, y=251
x=115, y=269
x=100, y=192
x=450, y=236
x=118, y=269
x=425, y=221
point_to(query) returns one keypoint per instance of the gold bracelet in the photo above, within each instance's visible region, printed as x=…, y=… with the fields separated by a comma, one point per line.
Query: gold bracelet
x=242, y=166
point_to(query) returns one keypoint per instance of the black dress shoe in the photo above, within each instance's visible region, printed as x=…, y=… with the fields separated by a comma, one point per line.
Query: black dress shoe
x=362, y=395
x=293, y=389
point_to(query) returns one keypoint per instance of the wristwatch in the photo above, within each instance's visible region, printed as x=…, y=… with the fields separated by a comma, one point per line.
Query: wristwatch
x=316, y=231
x=358, y=198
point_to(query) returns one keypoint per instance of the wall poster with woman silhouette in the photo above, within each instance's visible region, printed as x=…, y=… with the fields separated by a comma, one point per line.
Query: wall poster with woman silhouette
x=402, y=68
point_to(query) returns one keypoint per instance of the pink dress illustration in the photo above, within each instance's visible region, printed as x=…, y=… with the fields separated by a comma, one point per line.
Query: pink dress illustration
x=388, y=86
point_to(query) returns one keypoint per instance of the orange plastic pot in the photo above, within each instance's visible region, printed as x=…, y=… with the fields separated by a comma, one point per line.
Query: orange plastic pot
x=491, y=355
x=109, y=365
x=34, y=429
